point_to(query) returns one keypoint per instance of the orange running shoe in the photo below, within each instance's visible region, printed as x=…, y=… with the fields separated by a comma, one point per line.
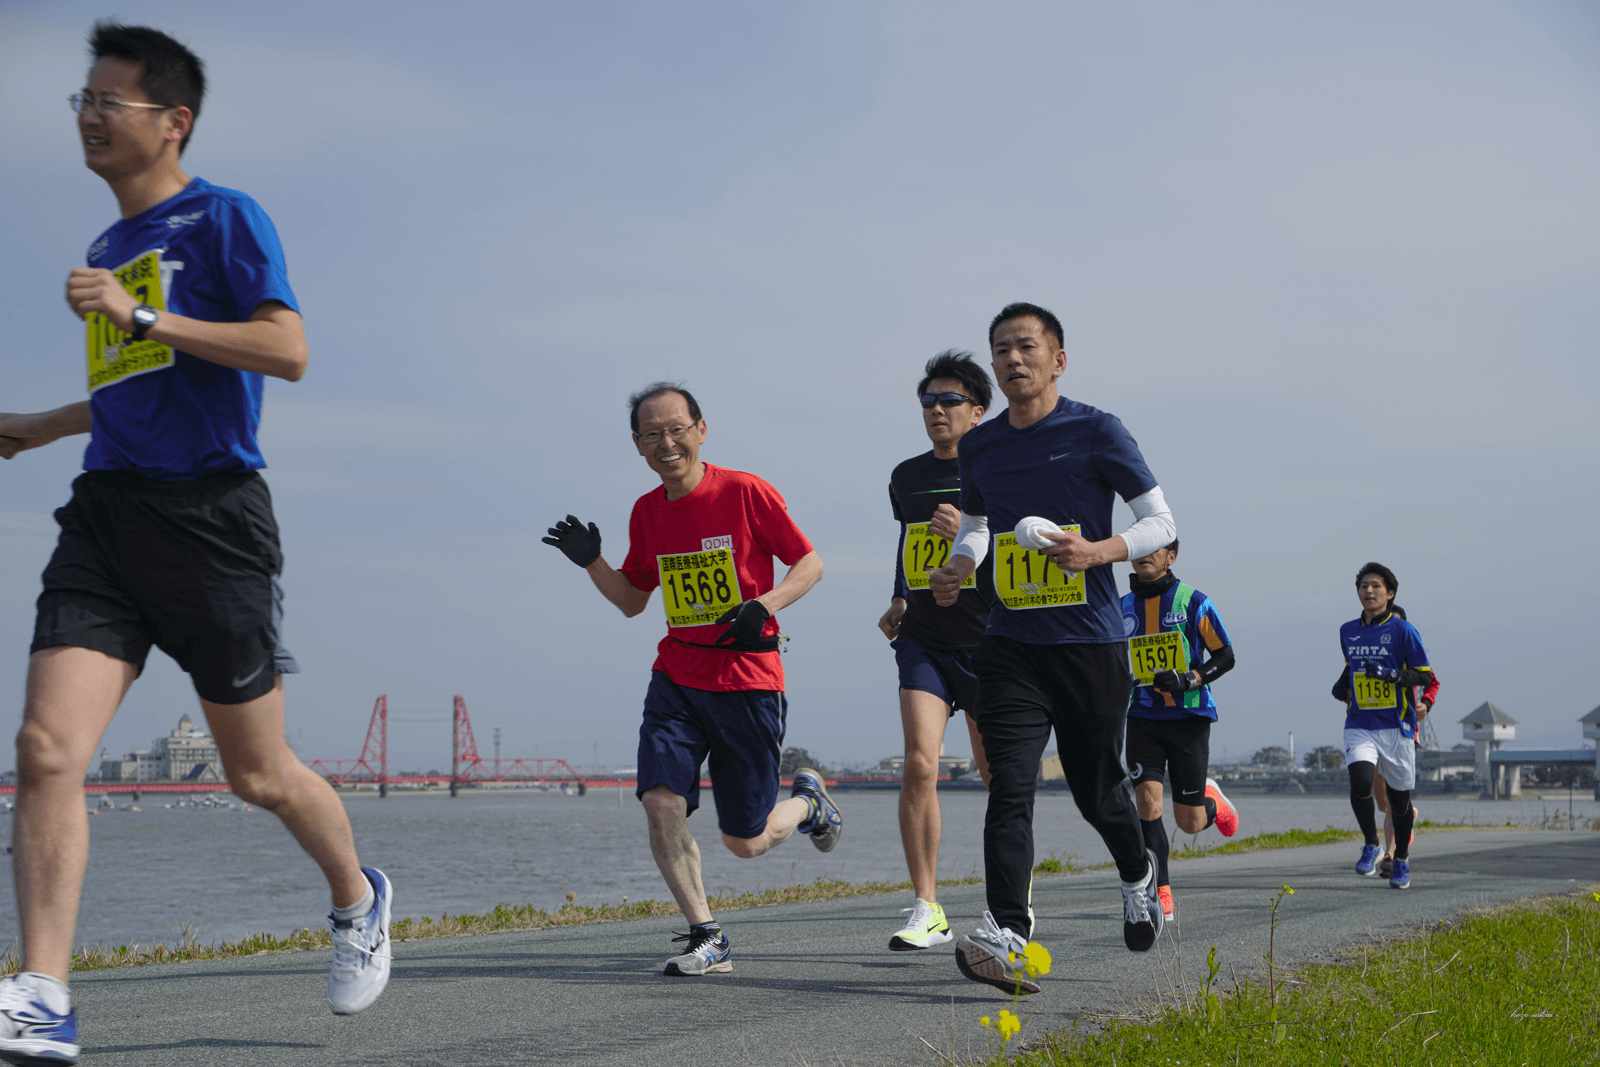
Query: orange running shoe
x=1164, y=892
x=1227, y=817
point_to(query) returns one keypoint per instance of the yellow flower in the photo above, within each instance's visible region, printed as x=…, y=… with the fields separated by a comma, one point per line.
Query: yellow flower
x=1286, y=889
x=986, y=1021
x=1038, y=960
x=1009, y=1025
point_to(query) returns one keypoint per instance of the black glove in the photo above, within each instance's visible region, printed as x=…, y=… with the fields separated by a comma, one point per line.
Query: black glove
x=581, y=546
x=1375, y=669
x=1172, y=682
x=744, y=623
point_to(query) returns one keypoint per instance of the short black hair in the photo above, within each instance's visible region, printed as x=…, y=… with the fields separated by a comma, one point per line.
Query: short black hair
x=1174, y=545
x=655, y=389
x=1383, y=572
x=963, y=368
x=172, y=75
x=1052, y=325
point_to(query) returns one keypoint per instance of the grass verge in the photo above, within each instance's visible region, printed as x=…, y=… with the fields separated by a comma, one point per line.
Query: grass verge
x=1508, y=985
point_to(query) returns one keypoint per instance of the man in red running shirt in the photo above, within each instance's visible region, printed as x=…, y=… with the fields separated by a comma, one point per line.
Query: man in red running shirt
x=707, y=537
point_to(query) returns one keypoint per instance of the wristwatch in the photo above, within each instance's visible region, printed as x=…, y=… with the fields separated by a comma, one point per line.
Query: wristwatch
x=144, y=317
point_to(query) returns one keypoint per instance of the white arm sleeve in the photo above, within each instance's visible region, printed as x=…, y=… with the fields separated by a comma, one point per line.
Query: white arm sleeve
x=1152, y=528
x=973, y=538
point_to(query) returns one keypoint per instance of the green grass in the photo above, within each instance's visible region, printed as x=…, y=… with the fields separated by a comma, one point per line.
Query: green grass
x=1510, y=985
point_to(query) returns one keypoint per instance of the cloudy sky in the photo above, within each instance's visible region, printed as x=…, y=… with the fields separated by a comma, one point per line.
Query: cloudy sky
x=1335, y=266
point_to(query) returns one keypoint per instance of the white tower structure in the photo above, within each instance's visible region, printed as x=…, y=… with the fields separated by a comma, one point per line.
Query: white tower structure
x=1487, y=727
x=1591, y=732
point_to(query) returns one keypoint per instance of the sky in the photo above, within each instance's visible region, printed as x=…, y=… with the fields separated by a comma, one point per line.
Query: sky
x=1334, y=266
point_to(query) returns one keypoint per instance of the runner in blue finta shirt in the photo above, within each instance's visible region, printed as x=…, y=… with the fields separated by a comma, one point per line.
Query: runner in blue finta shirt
x=1178, y=647
x=1041, y=481
x=169, y=538
x=933, y=646
x=1384, y=662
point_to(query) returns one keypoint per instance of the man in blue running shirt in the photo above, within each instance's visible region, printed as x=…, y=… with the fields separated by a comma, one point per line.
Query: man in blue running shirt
x=169, y=537
x=1384, y=663
x=1177, y=646
x=1037, y=488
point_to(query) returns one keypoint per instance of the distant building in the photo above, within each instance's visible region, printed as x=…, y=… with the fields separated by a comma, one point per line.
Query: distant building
x=187, y=753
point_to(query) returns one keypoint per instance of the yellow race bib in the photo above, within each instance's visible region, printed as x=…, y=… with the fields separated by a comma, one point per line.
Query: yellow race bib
x=114, y=355
x=698, y=587
x=1373, y=694
x=1152, y=653
x=1025, y=580
x=926, y=551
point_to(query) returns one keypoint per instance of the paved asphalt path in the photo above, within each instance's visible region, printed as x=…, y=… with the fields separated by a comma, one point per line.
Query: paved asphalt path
x=813, y=984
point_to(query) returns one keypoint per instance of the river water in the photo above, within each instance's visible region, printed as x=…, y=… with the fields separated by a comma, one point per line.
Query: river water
x=225, y=873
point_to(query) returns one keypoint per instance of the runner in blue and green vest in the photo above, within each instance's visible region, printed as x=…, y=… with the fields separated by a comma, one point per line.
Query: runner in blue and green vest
x=1177, y=646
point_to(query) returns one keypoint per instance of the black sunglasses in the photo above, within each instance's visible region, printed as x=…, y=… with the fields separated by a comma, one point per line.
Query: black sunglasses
x=946, y=400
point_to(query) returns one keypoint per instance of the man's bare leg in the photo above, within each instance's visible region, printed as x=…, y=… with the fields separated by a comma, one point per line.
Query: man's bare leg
x=676, y=852
x=979, y=758
x=72, y=695
x=923, y=717
x=263, y=770
x=781, y=822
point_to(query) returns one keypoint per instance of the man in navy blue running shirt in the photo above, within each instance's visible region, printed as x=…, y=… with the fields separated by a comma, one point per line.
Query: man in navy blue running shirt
x=169, y=538
x=1040, y=481
x=933, y=646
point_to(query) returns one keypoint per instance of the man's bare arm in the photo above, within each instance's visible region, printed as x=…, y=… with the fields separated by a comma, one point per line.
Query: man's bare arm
x=273, y=342
x=19, y=433
x=806, y=572
x=617, y=589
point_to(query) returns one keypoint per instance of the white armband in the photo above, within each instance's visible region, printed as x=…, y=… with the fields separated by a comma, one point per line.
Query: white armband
x=973, y=538
x=1153, y=527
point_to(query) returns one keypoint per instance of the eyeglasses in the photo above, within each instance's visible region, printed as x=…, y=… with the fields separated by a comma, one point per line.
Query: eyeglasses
x=108, y=107
x=946, y=400
x=677, y=433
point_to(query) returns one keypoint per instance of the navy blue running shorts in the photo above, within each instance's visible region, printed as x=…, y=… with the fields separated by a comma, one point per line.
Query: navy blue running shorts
x=947, y=675
x=741, y=732
x=190, y=566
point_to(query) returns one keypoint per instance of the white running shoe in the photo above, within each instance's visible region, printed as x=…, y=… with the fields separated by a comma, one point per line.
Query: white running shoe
x=1142, y=917
x=31, y=1032
x=996, y=956
x=708, y=954
x=361, y=951
x=926, y=928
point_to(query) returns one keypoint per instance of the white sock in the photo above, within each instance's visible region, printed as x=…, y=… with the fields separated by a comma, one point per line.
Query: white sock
x=49, y=990
x=359, y=908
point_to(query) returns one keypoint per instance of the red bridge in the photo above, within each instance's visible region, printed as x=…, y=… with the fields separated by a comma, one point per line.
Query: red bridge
x=466, y=766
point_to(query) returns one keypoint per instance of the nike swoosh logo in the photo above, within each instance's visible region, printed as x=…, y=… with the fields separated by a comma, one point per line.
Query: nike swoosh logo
x=240, y=683
x=1062, y=455
x=1190, y=792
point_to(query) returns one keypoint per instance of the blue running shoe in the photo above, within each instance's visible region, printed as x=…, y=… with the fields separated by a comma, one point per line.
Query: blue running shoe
x=31, y=1032
x=827, y=824
x=1400, y=875
x=709, y=953
x=1367, y=865
x=361, y=951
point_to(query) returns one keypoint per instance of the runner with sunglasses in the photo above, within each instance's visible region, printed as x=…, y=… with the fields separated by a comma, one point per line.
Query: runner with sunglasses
x=707, y=537
x=1037, y=488
x=932, y=645
x=1384, y=664
x=169, y=537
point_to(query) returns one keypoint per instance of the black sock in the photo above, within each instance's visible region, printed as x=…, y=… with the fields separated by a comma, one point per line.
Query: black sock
x=713, y=928
x=1405, y=816
x=1366, y=817
x=1211, y=813
x=1155, y=839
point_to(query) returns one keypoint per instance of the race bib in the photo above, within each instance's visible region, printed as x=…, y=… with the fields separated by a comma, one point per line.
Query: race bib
x=698, y=587
x=1025, y=580
x=1152, y=653
x=926, y=551
x=1373, y=694
x=114, y=355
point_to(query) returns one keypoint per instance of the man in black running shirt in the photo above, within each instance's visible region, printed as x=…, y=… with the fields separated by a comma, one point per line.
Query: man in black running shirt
x=933, y=645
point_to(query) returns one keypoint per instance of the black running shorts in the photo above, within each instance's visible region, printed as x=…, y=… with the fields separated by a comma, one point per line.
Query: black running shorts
x=190, y=567
x=1180, y=748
